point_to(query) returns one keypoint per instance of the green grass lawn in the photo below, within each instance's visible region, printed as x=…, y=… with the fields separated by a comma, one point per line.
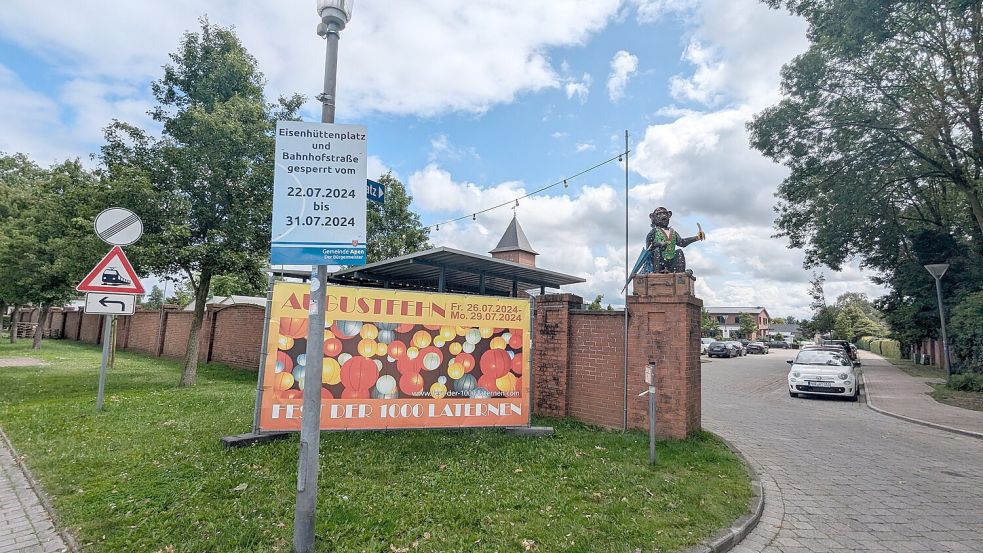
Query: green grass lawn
x=918, y=371
x=149, y=474
x=958, y=398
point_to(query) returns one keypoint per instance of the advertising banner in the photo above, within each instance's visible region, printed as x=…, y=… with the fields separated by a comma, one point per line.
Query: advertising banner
x=396, y=359
x=319, y=194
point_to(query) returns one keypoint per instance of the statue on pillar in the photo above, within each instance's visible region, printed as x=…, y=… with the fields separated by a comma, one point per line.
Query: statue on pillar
x=661, y=254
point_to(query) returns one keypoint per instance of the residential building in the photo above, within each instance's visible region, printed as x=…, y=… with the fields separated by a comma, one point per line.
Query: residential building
x=730, y=326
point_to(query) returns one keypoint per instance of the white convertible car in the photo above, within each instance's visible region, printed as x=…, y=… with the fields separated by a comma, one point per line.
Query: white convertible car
x=824, y=371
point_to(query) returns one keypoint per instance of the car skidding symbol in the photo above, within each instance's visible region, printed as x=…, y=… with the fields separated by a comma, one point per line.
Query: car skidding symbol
x=111, y=277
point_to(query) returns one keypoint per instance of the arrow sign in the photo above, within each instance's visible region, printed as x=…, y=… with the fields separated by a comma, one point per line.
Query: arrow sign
x=97, y=303
x=113, y=274
x=375, y=191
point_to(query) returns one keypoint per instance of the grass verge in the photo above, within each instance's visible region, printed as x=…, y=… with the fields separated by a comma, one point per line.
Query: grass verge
x=918, y=371
x=148, y=474
x=957, y=398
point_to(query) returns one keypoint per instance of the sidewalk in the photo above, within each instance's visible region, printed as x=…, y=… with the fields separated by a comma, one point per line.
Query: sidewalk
x=25, y=525
x=893, y=392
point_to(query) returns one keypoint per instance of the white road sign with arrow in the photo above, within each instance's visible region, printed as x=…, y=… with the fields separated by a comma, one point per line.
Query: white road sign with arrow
x=98, y=303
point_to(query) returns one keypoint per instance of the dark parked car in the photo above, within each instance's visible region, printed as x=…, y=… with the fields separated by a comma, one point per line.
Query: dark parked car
x=741, y=351
x=779, y=344
x=849, y=348
x=722, y=349
x=757, y=347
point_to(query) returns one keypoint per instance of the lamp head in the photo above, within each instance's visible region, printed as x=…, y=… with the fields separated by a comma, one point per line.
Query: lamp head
x=937, y=270
x=335, y=14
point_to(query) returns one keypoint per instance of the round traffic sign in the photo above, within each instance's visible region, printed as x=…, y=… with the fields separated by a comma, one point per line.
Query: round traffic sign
x=118, y=226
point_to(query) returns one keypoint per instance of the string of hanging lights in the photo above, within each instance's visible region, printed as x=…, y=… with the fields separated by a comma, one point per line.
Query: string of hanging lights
x=515, y=201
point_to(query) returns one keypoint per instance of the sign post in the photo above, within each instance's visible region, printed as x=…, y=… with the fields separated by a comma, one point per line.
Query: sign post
x=650, y=371
x=112, y=285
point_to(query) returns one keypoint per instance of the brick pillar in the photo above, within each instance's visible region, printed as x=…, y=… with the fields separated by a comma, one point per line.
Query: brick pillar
x=551, y=353
x=664, y=326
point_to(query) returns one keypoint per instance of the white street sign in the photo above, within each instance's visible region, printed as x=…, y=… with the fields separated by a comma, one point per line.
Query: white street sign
x=319, y=194
x=118, y=226
x=98, y=303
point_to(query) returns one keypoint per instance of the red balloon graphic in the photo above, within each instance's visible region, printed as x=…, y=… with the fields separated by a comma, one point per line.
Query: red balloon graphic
x=517, y=363
x=332, y=347
x=411, y=383
x=326, y=394
x=293, y=326
x=405, y=327
x=284, y=359
x=487, y=382
x=495, y=362
x=515, y=340
x=292, y=394
x=432, y=327
x=405, y=365
x=466, y=360
x=359, y=373
x=355, y=394
x=397, y=349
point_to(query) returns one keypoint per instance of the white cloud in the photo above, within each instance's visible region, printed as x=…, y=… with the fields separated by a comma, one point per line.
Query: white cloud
x=585, y=147
x=560, y=134
x=623, y=65
x=651, y=11
x=580, y=89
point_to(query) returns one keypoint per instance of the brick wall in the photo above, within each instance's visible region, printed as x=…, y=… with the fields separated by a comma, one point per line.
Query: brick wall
x=236, y=333
x=73, y=322
x=177, y=326
x=597, y=362
x=91, y=329
x=143, y=332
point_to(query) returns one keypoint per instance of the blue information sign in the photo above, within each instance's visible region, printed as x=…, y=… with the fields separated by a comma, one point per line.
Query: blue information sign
x=376, y=191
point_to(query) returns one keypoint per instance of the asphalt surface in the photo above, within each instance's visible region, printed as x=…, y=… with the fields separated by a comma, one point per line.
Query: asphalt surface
x=839, y=476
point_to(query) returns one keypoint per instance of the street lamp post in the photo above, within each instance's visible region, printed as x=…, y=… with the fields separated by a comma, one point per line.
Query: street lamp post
x=937, y=271
x=334, y=15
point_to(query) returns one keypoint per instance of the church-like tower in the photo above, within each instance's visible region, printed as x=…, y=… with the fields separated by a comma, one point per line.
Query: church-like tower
x=514, y=246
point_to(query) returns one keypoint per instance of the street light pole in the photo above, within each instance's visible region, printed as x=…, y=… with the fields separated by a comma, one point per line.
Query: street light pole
x=334, y=15
x=937, y=271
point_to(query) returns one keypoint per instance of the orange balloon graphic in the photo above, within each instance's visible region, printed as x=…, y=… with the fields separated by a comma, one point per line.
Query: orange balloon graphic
x=447, y=333
x=332, y=347
x=359, y=373
x=455, y=348
x=515, y=341
x=495, y=362
x=421, y=339
x=497, y=343
x=381, y=349
x=397, y=349
x=486, y=332
x=455, y=370
x=283, y=381
x=466, y=360
x=369, y=331
x=292, y=394
x=283, y=360
x=294, y=327
x=404, y=328
x=330, y=371
x=411, y=383
x=487, y=382
x=517, y=363
x=432, y=327
x=506, y=383
x=366, y=347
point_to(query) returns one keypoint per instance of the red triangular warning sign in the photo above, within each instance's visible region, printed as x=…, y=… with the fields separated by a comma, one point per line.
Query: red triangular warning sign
x=113, y=274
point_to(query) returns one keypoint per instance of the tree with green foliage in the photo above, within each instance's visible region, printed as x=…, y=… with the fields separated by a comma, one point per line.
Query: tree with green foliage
x=240, y=284
x=393, y=229
x=777, y=320
x=747, y=325
x=709, y=325
x=204, y=188
x=155, y=300
x=47, y=246
x=596, y=304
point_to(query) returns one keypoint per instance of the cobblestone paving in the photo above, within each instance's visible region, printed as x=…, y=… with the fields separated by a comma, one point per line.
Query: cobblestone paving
x=840, y=477
x=25, y=526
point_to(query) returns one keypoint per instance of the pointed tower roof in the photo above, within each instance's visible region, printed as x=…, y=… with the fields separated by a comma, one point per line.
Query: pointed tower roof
x=514, y=239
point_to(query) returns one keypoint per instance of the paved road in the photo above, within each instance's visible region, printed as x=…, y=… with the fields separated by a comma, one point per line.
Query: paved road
x=837, y=475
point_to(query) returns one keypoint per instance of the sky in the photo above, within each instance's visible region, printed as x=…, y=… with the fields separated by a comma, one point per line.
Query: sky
x=472, y=104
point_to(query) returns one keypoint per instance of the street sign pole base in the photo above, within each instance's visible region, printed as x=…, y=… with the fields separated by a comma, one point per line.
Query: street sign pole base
x=250, y=438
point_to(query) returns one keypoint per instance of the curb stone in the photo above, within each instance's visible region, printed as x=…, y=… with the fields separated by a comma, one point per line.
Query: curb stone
x=929, y=424
x=65, y=535
x=726, y=538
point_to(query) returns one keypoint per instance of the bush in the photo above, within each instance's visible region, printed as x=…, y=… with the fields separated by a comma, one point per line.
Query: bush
x=881, y=346
x=966, y=334
x=967, y=382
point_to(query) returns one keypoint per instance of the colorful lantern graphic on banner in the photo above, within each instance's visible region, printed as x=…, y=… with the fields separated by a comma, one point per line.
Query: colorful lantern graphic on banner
x=293, y=327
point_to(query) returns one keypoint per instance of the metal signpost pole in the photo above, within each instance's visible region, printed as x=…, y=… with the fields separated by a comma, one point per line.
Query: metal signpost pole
x=334, y=16
x=650, y=371
x=107, y=330
x=945, y=340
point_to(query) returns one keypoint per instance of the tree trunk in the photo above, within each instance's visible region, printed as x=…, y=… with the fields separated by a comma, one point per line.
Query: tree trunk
x=13, y=324
x=3, y=314
x=189, y=373
x=42, y=326
x=974, y=204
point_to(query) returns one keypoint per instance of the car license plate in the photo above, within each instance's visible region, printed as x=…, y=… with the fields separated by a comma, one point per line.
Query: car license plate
x=817, y=384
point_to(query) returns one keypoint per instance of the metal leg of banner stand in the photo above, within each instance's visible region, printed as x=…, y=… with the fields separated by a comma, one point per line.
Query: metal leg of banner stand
x=530, y=430
x=107, y=332
x=255, y=437
x=650, y=372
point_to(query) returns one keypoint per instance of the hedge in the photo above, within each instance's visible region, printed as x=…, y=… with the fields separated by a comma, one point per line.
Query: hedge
x=881, y=346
